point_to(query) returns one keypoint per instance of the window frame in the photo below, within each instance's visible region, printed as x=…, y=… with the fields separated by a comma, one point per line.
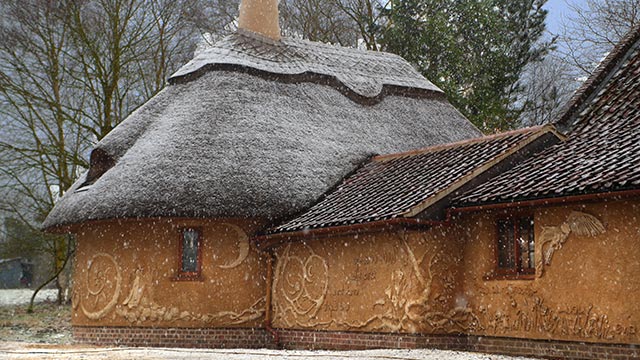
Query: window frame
x=189, y=275
x=516, y=272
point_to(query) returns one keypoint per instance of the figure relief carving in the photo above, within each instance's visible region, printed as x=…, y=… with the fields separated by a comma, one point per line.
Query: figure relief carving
x=137, y=308
x=300, y=283
x=103, y=286
x=553, y=237
x=527, y=312
x=243, y=246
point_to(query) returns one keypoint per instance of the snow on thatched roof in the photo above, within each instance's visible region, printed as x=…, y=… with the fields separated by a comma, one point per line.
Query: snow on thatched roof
x=239, y=134
x=363, y=72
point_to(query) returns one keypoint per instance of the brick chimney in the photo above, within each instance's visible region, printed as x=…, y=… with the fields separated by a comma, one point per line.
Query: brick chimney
x=260, y=17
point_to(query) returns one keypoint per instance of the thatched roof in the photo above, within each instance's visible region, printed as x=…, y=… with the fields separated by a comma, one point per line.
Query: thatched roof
x=254, y=128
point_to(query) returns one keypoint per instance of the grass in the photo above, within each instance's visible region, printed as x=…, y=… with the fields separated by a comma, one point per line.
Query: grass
x=49, y=323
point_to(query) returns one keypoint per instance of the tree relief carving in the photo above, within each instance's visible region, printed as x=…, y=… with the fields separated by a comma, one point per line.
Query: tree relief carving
x=298, y=300
x=398, y=310
x=552, y=238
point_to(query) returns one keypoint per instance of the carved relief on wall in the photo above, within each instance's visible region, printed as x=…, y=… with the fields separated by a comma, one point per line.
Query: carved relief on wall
x=407, y=304
x=553, y=237
x=243, y=246
x=103, y=286
x=526, y=312
x=300, y=285
x=137, y=308
x=101, y=297
x=399, y=310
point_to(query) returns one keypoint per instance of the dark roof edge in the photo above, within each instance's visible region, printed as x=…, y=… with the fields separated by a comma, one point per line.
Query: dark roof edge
x=549, y=200
x=313, y=78
x=484, y=171
x=540, y=128
x=590, y=88
x=267, y=241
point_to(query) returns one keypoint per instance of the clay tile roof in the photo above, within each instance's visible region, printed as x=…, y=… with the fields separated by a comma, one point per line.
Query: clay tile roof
x=404, y=184
x=602, y=153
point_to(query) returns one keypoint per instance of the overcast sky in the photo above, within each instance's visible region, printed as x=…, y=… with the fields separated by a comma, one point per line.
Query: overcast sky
x=559, y=10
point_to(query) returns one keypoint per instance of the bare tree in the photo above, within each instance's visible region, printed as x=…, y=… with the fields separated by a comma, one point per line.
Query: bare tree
x=594, y=29
x=547, y=86
x=69, y=73
x=368, y=19
x=43, y=141
x=346, y=22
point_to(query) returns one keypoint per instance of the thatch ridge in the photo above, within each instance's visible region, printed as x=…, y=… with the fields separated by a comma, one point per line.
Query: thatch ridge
x=365, y=73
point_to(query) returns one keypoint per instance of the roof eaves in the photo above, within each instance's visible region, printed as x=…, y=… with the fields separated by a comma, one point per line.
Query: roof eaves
x=549, y=200
x=441, y=147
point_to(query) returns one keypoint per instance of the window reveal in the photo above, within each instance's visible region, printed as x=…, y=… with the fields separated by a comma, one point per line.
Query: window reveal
x=515, y=246
x=190, y=253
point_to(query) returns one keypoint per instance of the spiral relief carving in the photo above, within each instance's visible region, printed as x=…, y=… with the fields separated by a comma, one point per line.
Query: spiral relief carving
x=302, y=282
x=102, y=292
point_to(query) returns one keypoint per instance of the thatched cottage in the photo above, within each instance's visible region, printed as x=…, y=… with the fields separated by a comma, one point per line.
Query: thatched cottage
x=247, y=205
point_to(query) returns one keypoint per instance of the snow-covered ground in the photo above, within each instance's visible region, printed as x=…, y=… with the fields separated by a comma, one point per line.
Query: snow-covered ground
x=22, y=296
x=31, y=351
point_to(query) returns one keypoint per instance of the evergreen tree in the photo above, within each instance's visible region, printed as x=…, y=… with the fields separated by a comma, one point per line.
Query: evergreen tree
x=474, y=50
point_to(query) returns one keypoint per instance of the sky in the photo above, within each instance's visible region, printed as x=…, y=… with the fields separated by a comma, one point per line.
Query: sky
x=559, y=10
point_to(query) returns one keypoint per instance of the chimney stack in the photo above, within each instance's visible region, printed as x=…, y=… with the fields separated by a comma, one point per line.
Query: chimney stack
x=260, y=17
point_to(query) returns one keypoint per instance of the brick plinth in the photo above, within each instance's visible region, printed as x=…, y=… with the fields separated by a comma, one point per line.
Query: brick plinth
x=340, y=340
x=332, y=340
x=174, y=337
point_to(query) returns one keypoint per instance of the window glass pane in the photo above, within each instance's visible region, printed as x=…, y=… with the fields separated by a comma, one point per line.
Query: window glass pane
x=506, y=253
x=525, y=241
x=190, y=242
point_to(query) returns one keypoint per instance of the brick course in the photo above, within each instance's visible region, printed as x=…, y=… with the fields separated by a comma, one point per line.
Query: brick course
x=337, y=340
x=174, y=337
x=302, y=339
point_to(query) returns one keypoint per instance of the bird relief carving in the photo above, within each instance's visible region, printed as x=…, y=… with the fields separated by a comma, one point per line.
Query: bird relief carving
x=554, y=237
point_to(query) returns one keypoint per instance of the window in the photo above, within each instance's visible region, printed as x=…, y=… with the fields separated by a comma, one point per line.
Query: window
x=515, y=248
x=190, y=254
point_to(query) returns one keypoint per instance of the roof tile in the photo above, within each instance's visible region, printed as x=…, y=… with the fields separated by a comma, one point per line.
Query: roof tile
x=390, y=186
